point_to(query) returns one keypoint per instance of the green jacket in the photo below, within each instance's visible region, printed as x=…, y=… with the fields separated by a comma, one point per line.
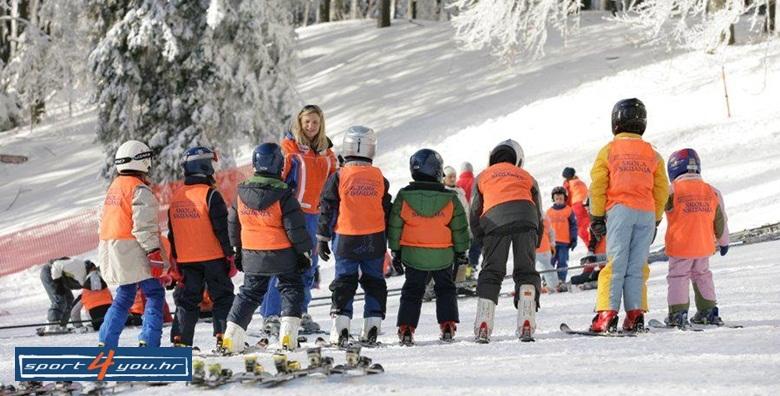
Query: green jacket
x=428, y=199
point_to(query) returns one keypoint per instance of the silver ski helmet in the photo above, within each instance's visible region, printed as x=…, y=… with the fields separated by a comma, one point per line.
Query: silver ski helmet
x=359, y=141
x=514, y=148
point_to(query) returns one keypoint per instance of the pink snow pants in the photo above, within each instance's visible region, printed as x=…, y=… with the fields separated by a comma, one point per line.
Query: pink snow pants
x=684, y=271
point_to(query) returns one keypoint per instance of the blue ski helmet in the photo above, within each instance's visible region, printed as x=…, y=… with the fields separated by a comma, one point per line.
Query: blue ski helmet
x=268, y=158
x=682, y=162
x=198, y=161
x=426, y=165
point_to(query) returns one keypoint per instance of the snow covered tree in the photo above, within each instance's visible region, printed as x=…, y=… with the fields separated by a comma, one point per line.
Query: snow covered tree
x=179, y=74
x=511, y=29
x=694, y=24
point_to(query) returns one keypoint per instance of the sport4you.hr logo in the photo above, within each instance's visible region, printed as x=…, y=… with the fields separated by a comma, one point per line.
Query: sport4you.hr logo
x=100, y=364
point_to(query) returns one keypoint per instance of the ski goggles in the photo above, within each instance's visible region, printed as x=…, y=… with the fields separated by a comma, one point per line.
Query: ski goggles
x=137, y=157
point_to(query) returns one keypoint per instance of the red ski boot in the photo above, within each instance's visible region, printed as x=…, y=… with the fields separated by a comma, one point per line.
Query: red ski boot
x=448, y=329
x=605, y=322
x=635, y=321
x=406, y=335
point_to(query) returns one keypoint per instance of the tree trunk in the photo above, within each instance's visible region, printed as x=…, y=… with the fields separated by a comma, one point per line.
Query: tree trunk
x=306, y=10
x=353, y=9
x=324, y=12
x=719, y=5
x=14, y=26
x=411, y=9
x=384, y=14
x=393, y=7
x=336, y=10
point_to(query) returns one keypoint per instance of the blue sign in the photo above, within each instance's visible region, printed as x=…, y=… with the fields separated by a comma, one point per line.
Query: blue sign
x=101, y=364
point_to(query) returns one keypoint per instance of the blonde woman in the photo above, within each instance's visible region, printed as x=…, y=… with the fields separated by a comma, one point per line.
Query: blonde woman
x=308, y=162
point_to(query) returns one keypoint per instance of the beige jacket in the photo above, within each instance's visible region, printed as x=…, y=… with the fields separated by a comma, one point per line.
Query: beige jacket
x=124, y=262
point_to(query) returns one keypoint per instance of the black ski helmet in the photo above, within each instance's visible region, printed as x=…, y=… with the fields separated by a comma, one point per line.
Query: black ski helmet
x=629, y=115
x=198, y=161
x=559, y=190
x=568, y=172
x=426, y=165
x=268, y=158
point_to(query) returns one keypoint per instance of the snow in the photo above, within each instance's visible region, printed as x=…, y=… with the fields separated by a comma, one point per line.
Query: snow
x=412, y=86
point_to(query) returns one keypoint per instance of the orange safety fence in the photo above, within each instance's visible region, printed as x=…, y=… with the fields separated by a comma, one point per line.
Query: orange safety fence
x=78, y=234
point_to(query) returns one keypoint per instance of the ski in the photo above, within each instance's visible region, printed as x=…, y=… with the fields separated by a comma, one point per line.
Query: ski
x=357, y=364
x=41, y=331
x=568, y=330
x=657, y=324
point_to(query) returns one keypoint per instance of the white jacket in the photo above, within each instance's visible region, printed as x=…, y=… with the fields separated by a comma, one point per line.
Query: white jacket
x=124, y=262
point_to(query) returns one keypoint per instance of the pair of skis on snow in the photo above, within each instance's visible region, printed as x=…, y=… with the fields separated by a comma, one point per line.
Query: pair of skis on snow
x=286, y=370
x=39, y=388
x=651, y=324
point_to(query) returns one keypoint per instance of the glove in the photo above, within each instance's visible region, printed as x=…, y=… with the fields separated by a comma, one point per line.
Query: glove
x=655, y=231
x=304, y=262
x=461, y=259
x=232, y=270
x=323, y=250
x=724, y=249
x=155, y=262
x=598, y=227
x=398, y=265
x=165, y=280
x=552, y=250
x=573, y=244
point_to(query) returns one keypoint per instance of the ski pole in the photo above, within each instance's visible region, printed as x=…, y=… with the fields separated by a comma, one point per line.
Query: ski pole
x=41, y=324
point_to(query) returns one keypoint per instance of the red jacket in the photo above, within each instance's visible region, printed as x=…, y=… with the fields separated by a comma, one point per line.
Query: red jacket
x=466, y=182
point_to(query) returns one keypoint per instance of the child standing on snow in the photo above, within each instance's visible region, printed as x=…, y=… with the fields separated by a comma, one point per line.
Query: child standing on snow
x=564, y=223
x=427, y=233
x=129, y=252
x=696, y=218
x=506, y=212
x=577, y=196
x=355, y=205
x=268, y=230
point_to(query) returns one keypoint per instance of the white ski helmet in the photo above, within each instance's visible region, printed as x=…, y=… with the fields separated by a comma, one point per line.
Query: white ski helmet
x=359, y=141
x=133, y=155
x=515, y=146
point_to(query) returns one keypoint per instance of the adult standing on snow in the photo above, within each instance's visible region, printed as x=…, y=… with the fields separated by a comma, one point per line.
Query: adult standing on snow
x=628, y=192
x=129, y=252
x=308, y=162
x=506, y=210
x=198, y=233
x=577, y=194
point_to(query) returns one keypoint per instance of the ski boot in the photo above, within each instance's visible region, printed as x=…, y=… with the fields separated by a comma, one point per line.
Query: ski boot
x=605, y=322
x=707, y=317
x=308, y=326
x=371, y=328
x=526, y=313
x=339, y=331
x=634, y=321
x=178, y=343
x=677, y=319
x=448, y=329
x=288, y=333
x=405, y=335
x=562, y=287
x=483, y=325
x=271, y=326
x=234, y=339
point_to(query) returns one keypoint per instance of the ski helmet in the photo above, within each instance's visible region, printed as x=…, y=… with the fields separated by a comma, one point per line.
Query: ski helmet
x=133, y=155
x=268, y=158
x=559, y=190
x=568, y=172
x=683, y=161
x=629, y=115
x=359, y=141
x=515, y=148
x=426, y=165
x=198, y=161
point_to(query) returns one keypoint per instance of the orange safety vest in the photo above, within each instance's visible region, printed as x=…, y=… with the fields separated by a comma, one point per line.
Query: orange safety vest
x=544, y=245
x=314, y=170
x=192, y=230
x=361, y=189
x=504, y=182
x=560, y=223
x=116, y=222
x=95, y=298
x=427, y=232
x=632, y=164
x=262, y=229
x=690, y=233
x=578, y=191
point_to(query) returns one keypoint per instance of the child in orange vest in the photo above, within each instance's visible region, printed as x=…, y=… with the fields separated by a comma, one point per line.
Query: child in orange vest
x=354, y=207
x=577, y=197
x=697, y=220
x=564, y=223
x=428, y=233
x=268, y=230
